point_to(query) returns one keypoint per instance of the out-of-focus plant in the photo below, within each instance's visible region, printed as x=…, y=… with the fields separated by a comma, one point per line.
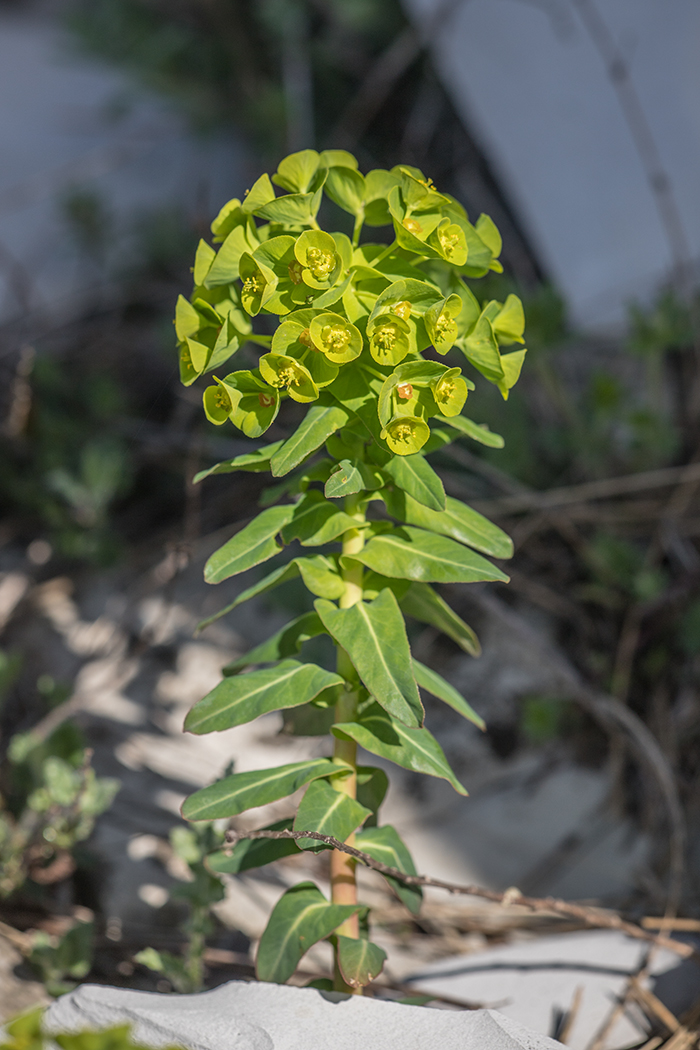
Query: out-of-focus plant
x=61, y=961
x=199, y=890
x=27, y=1032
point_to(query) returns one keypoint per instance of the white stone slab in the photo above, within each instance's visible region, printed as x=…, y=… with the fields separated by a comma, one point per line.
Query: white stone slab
x=252, y=1016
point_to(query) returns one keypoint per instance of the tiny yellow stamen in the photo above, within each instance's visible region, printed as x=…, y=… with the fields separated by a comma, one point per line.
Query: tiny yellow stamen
x=412, y=225
x=321, y=263
x=403, y=310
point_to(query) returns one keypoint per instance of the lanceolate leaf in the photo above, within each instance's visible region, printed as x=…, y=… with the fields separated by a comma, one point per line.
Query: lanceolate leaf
x=329, y=812
x=252, y=545
x=477, y=431
x=359, y=960
x=433, y=683
x=413, y=554
x=415, y=749
x=242, y=791
x=319, y=423
x=285, y=642
x=424, y=604
x=386, y=845
x=415, y=476
x=373, y=634
x=458, y=521
x=316, y=521
x=242, y=698
x=253, y=853
x=372, y=786
x=317, y=572
x=301, y=917
x=254, y=462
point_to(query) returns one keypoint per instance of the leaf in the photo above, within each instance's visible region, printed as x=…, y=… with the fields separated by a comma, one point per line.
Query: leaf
x=260, y=193
x=301, y=917
x=294, y=209
x=458, y=521
x=242, y=791
x=434, y=684
x=359, y=961
x=242, y=698
x=372, y=786
x=424, y=604
x=346, y=188
x=509, y=325
x=481, y=348
x=329, y=812
x=316, y=521
x=373, y=634
x=255, y=462
x=477, y=431
x=415, y=476
x=296, y=171
x=512, y=365
x=316, y=570
x=317, y=426
x=203, y=259
x=224, y=269
x=358, y=392
x=254, y=544
x=413, y=554
x=415, y=749
x=386, y=845
x=253, y=853
x=351, y=476
x=285, y=642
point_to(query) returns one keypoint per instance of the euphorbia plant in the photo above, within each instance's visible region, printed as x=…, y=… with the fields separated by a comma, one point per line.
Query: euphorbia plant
x=362, y=328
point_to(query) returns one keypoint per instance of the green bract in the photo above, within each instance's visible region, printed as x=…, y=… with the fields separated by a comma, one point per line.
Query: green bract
x=344, y=329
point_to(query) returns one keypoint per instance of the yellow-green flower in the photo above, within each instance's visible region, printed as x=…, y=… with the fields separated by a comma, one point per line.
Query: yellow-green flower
x=258, y=283
x=317, y=253
x=406, y=435
x=451, y=242
x=339, y=340
x=441, y=325
x=388, y=339
x=450, y=392
x=220, y=401
x=286, y=373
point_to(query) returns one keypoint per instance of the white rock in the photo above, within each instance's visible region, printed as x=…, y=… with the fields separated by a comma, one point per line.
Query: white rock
x=252, y=1016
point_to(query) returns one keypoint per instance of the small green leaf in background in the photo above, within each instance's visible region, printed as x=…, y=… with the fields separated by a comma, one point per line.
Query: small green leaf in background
x=319, y=423
x=386, y=845
x=316, y=521
x=433, y=683
x=424, y=604
x=301, y=917
x=283, y=643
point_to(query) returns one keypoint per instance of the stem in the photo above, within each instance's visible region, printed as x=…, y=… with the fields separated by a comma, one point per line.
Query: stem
x=359, y=223
x=382, y=256
x=343, y=881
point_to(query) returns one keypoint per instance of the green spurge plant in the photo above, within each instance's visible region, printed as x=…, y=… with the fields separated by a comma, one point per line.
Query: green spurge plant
x=362, y=328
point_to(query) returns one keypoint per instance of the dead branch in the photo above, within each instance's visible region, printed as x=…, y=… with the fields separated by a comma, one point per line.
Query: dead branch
x=593, y=917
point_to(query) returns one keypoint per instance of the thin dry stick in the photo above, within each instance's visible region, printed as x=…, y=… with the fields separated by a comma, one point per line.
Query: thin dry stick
x=588, y=916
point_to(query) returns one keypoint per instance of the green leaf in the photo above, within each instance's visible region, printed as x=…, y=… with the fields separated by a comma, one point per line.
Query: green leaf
x=260, y=193
x=242, y=698
x=317, y=571
x=386, y=845
x=434, y=684
x=296, y=171
x=346, y=188
x=225, y=267
x=415, y=749
x=316, y=521
x=359, y=960
x=351, y=476
x=357, y=391
x=317, y=426
x=301, y=917
x=415, y=476
x=372, y=786
x=458, y=521
x=509, y=325
x=203, y=259
x=413, y=554
x=477, y=431
x=373, y=634
x=283, y=643
x=253, y=853
x=255, y=462
x=512, y=366
x=294, y=209
x=254, y=544
x=423, y=604
x=488, y=232
x=242, y=791
x=481, y=348
x=329, y=812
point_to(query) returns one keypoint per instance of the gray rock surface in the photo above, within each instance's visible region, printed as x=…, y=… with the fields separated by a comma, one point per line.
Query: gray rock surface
x=251, y=1016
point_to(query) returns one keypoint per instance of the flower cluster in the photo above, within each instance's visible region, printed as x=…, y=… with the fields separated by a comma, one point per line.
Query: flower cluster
x=375, y=307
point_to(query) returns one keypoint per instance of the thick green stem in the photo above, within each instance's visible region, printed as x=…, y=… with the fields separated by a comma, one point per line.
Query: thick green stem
x=343, y=881
x=359, y=223
x=383, y=255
